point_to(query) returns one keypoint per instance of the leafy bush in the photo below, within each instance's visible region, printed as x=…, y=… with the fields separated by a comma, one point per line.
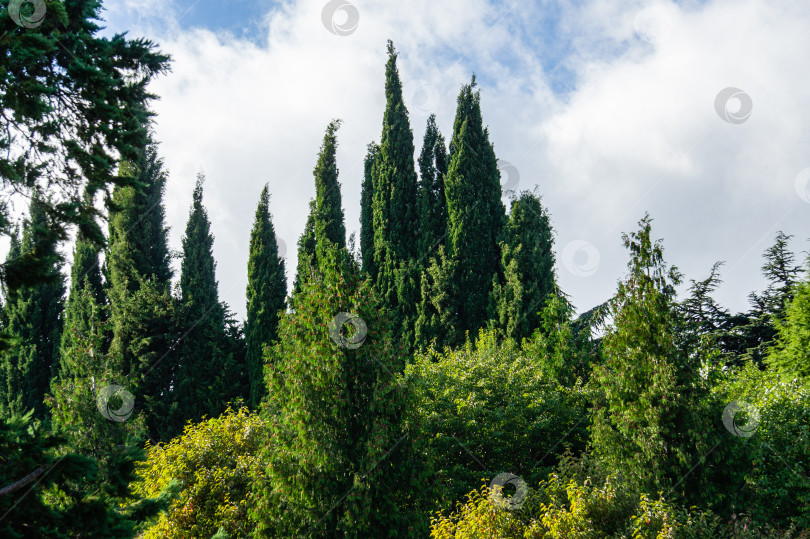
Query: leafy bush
x=213, y=461
x=489, y=408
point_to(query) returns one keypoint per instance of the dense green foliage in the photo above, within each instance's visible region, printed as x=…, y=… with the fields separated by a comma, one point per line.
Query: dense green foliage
x=72, y=103
x=34, y=320
x=212, y=464
x=266, y=291
x=208, y=366
x=442, y=362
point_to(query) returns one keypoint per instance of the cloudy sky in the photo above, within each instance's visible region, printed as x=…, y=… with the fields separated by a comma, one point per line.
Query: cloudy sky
x=697, y=112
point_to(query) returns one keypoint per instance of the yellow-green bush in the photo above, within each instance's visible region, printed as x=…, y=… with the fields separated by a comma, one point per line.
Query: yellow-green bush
x=213, y=461
x=565, y=508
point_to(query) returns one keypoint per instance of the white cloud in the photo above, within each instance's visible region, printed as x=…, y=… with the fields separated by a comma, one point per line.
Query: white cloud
x=638, y=132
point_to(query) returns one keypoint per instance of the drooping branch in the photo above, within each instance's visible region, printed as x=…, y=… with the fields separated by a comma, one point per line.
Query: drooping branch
x=22, y=482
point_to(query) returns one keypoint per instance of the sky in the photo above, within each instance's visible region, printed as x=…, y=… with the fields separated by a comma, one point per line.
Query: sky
x=695, y=112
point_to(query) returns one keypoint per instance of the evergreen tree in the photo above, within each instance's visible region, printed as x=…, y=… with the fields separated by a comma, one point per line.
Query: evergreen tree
x=527, y=262
x=325, y=219
x=646, y=422
x=342, y=459
x=306, y=251
x=437, y=319
x=78, y=100
x=790, y=356
x=266, y=291
x=432, y=200
x=367, y=211
x=756, y=331
x=475, y=213
x=203, y=353
x=142, y=311
x=86, y=296
x=395, y=211
x=34, y=320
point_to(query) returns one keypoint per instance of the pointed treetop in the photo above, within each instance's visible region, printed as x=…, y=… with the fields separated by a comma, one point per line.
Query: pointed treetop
x=198, y=189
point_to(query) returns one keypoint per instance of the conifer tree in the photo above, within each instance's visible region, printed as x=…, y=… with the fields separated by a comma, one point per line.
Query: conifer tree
x=326, y=218
x=203, y=353
x=367, y=211
x=527, y=263
x=431, y=196
x=646, y=422
x=759, y=326
x=34, y=318
x=395, y=211
x=790, y=356
x=266, y=291
x=142, y=310
x=86, y=297
x=475, y=213
x=342, y=458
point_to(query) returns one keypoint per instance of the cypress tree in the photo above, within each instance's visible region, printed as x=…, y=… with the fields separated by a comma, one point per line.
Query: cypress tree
x=367, y=211
x=34, y=318
x=475, y=213
x=86, y=294
x=395, y=211
x=325, y=219
x=527, y=263
x=203, y=348
x=432, y=201
x=266, y=290
x=337, y=420
x=142, y=310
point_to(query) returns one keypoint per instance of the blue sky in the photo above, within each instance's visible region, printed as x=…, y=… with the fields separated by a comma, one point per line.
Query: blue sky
x=606, y=108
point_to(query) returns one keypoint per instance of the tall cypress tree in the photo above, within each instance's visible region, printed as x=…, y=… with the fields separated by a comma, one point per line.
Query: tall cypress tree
x=266, y=290
x=86, y=294
x=475, y=213
x=432, y=201
x=203, y=348
x=326, y=218
x=34, y=318
x=367, y=211
x=142, y=310
x=395, y=210
x=527, y=263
